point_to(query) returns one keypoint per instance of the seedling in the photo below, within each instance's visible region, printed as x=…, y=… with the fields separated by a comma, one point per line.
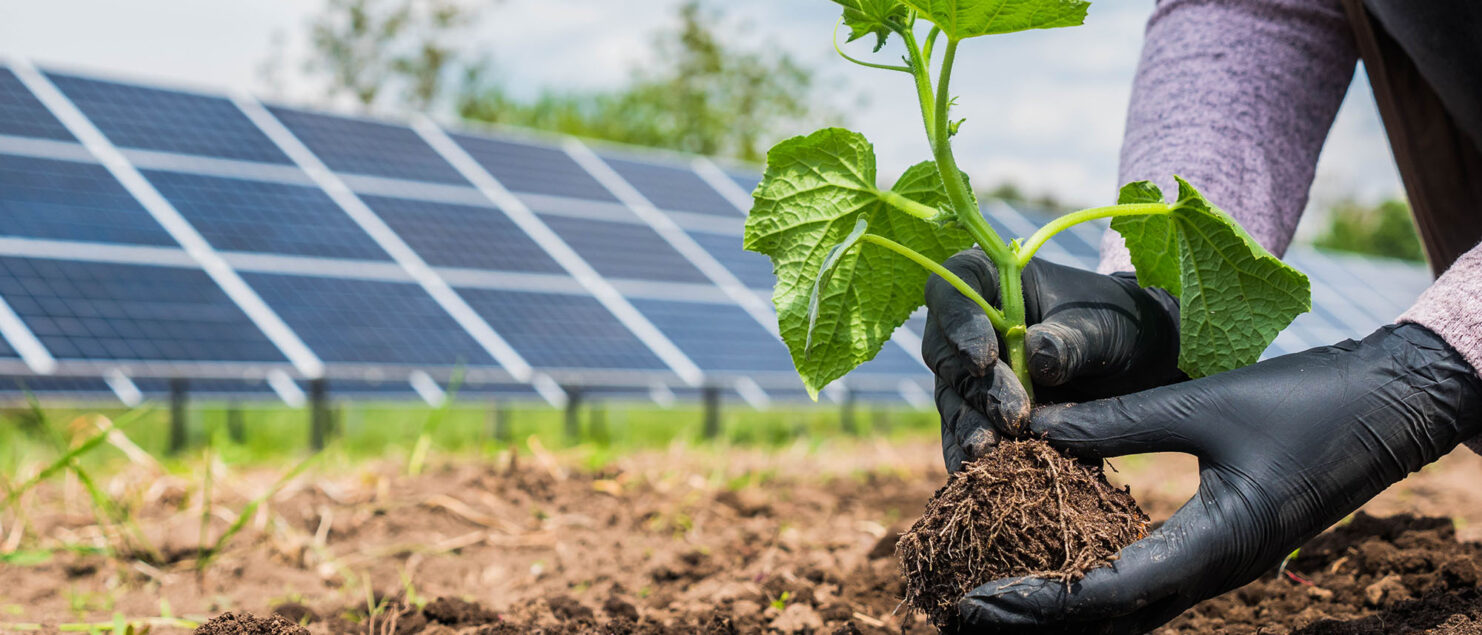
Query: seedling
x=852, y=259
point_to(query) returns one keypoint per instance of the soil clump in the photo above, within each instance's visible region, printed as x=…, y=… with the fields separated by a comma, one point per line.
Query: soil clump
x=1022, y=510
x=237, y=623
x=1397, y=574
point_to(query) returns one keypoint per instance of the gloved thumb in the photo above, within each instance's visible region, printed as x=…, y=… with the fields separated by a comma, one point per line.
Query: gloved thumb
x=1057, y=352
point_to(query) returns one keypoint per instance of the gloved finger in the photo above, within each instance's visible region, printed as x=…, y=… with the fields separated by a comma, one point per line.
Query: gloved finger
x=1001, y=398
x=1145, y=585
x=955, y=323
x=1166, y=419
x=966, y=432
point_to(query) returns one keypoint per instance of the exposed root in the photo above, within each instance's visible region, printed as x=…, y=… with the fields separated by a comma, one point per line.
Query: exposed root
x=1023, y=510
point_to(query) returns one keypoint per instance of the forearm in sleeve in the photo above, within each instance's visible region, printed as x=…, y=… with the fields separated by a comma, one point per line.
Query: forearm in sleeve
x=1236, y=96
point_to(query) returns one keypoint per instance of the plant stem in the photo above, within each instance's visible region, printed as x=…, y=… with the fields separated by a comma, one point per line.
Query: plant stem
x=962, y=200
x=994, y=315
x=919, y=210
x=840, y=51
x=1043, y=234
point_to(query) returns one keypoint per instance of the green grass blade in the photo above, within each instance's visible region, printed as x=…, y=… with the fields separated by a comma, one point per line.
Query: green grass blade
x=68, y=457
x=251, y=509
x=434, y=420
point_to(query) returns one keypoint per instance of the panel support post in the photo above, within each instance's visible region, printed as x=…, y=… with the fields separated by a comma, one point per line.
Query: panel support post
x=882, y=420
x=178, y=414
x=711, y=397
x=319, y=414
x=500, y=413
x=235, y=429
x=597, y=425
x=846, y=418
x=573, y=415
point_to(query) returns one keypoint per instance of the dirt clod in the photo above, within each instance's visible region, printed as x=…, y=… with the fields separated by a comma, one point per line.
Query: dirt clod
x=237, y=623
x=1023, y=509
x=455, y=612
x=296, y=613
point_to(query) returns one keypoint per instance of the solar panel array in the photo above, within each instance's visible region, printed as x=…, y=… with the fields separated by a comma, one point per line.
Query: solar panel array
x=154, y=233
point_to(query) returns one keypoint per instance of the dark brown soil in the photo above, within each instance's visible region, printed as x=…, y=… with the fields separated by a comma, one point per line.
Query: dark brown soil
x=1400, y=574
x=678, y=540
x=1022, y=510
x=234, y=623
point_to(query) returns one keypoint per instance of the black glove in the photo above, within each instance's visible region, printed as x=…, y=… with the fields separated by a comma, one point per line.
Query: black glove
x=1090, y=336
x=1286, y=448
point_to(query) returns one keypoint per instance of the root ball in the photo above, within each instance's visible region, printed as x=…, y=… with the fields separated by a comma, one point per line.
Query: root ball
x=1022, y=510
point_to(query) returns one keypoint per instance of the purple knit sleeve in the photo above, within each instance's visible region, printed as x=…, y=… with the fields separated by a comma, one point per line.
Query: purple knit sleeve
x=1452, y=308
x=1236, y=96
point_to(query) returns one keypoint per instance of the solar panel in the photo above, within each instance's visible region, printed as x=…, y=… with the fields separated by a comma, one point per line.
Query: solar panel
x=22, y=115
x=669, y=187
x=111, y=311
x=717, y=337
x=66, y=200
x=561, y=331
x=748, y=180
x=892, y=360
x=624, y=250
x=450, y=235
x=243, y=215
x=535, y=169
x=155, y=387
x=358, y=146
x=6, y=351
x=368, y=322
x=133, y=116
x=753, y=269
x=18, y=386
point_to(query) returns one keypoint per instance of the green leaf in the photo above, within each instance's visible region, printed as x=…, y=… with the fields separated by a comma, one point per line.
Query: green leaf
x=866, y=17
x=962, y=19
x=816, y=190
x=826, y=271
x=1234, y=296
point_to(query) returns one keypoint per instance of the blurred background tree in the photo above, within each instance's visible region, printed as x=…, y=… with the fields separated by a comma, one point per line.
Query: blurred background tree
x=705, y=93
x=1011, y=193
x=1385, y=230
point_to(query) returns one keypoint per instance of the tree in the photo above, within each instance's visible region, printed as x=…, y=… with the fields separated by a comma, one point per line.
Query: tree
x=361, y=47
x=702, y=96
x=1383, y=230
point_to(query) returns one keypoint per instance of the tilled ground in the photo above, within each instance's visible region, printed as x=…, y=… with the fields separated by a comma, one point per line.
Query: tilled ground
x=794, y=541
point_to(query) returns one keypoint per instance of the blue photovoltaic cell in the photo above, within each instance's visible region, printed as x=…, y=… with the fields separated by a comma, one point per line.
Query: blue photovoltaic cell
x=669, y=187
x=623, y=250
x=65, y=200
x=893, y=360
x=22, y=115
x=561, y=331
x=357, y=146
x=372, y=322
x=44, y=385
x=241, y=215
x=747, y=181
x=448, y=235
x=6, y=350
x=753, y=269
x=523, y=167
x=102, y=311
x=169, y=121
x=717, y=337
x=156, y=387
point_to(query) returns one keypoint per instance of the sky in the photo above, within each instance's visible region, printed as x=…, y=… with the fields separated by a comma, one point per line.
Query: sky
x=1044, y=109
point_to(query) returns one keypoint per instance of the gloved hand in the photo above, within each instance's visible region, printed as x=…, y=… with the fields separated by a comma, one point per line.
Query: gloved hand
x=1286, y=448
x=1090, y=336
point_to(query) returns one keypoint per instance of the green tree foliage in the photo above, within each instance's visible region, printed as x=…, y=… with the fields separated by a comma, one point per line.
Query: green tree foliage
x=1383, y=230
x=362, y=47
x=701, y=95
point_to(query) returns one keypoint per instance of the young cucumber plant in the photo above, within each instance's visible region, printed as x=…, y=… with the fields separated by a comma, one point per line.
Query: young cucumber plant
x=852, y=259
